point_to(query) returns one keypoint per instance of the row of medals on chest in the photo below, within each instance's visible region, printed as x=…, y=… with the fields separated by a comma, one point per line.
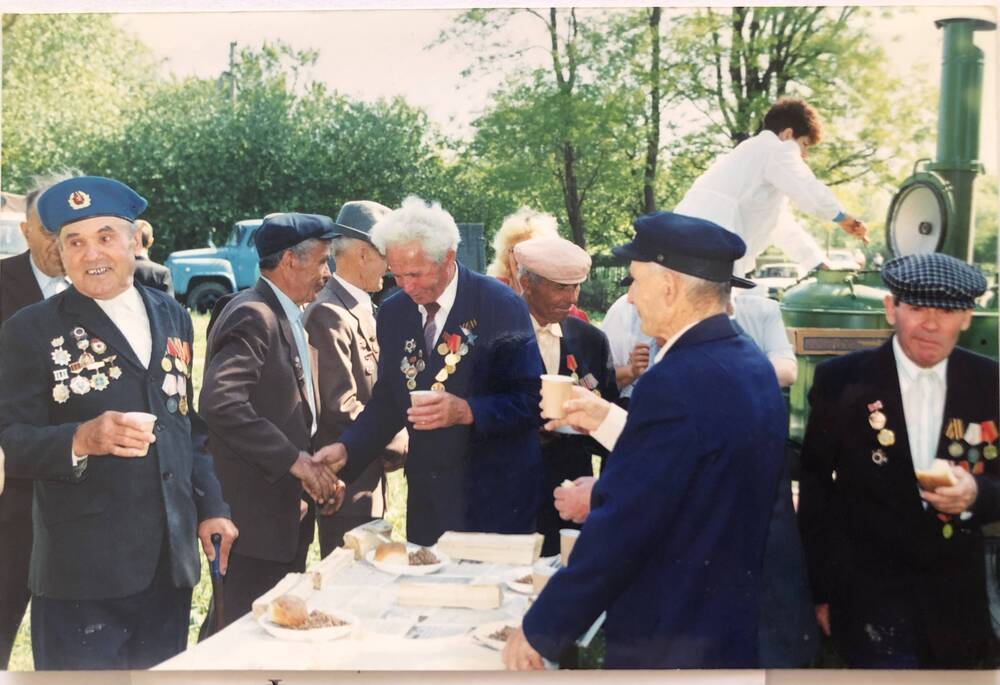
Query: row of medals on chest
x=90, y=346
x=452, y=349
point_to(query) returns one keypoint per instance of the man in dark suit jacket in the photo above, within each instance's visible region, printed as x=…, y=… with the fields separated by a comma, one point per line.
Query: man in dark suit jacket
x=148, y=272
x=473, y=461
x=117, y=501
x=673, y=546
x=259, y=402
x=24, y=279
x=341, y=325
x=897, y=570
x=550, y=271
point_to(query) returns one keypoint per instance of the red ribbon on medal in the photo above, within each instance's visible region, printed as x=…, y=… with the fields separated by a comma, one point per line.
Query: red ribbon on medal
x=571, y=362
x=171, y=348
x=988, y=431
x=454, y=341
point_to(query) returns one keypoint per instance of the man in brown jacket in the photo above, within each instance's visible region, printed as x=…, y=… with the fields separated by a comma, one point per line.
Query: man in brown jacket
x=259, y=401
x=341, y=326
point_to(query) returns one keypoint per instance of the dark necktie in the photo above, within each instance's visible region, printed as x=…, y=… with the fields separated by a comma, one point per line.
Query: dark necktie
x=430, y=330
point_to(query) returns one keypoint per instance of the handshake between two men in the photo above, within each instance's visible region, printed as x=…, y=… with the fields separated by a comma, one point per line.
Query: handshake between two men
x=318, y=473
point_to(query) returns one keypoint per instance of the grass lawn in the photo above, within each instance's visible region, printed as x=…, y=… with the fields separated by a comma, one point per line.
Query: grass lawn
x=21, y=659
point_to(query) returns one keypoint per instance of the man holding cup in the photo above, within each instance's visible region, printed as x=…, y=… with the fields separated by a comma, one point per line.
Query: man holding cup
x=118, y=499
x=574, y=353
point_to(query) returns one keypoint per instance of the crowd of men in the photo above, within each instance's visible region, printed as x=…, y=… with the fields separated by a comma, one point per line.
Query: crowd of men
x=689, y=539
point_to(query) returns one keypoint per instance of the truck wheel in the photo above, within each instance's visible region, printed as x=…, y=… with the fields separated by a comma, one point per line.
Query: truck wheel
x=204, y=295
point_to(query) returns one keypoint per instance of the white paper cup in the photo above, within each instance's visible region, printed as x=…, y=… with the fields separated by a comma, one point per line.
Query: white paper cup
x=420, y=396
x=567, y=538
x=146, y=420
x=555, y=391
x=540, y=574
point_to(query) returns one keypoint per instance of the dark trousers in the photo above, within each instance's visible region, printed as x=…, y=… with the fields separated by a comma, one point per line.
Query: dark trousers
x=15, y=553
x=332, y=529
x=560, y=464
x=135, y=632
x=247, y=578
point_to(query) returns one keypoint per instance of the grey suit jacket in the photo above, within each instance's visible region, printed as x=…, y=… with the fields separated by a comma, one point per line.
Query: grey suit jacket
x=253, y=400
x=343, y=332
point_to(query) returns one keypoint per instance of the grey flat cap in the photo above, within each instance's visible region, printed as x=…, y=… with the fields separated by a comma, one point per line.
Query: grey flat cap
x=356, y=218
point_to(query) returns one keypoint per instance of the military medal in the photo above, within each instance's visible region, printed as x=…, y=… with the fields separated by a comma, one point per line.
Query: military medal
x=114, y=373
x=78, y=333
x=79, y=385
x=451, y=359
x=172, y=404
x=99, y=381
x=886, y=438
x=166, y=365
x=60, y=393
x=442, y=349
x=420, y=365
x=57, y=342
x=60, y=357
x=182, y=406
x=98, y=346
x=441, y=376
x=947, y=531
x=978, y=469
x=181, y=366
x=879, y=458
x=170, y=384
x=973, y=455
x=82, y=344
x=61, y=374
x=988, y=432
x=877, y=420
x=463, y=349
x=410, y=345
x=78, y=200
x=411, y=384
x=75, y=367
x=955, y=450
x=182, y=387
x=437, y=387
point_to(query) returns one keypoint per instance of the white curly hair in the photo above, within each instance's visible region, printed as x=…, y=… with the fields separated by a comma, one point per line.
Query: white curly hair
x=421, y=222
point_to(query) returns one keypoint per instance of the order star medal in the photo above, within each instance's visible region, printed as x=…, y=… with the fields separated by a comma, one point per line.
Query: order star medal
x=60, y=393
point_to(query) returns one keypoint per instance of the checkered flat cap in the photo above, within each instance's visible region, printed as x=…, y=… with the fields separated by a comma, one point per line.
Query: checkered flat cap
x=934, y=280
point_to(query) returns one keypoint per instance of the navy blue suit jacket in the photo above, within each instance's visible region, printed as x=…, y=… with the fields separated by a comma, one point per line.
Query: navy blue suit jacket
x=485, y=477
x=98, y=534
x=673, y=545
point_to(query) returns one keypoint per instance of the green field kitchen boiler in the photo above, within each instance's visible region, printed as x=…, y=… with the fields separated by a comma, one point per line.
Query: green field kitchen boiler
x=836, y=312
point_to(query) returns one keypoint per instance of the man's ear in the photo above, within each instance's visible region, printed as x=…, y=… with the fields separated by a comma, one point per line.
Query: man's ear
x=787, y=134
x=890, y=310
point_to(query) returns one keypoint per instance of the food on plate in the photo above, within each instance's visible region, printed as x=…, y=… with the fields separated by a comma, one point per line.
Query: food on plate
x=392, y=553
x=423, y=557
x=319, y=619
x=288, y=611
x=502, y=634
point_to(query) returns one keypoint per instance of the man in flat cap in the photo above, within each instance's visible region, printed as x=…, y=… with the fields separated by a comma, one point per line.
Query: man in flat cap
x=895, y=562
x=341, y=325
x=118, y=501
x=473, y=462
x=673, y=545
x=550, y=271
x=260, y=403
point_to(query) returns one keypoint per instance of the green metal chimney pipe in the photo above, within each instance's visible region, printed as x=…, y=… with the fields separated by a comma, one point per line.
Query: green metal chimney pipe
x=958, y=126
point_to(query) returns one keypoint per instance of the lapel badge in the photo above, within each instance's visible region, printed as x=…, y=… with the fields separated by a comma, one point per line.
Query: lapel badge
x=58, y=342
x=974, y=434
x=78, y=333
x=879, y=458
x=61, y=357
x=79, y=385
x=60, y=393
x=98, y=346
x=886, y=437
x=410, y=345
x=114, y=373
x=78, y=200
x=75, y=367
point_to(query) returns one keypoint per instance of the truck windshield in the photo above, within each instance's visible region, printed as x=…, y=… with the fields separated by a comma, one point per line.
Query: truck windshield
x=234, y=237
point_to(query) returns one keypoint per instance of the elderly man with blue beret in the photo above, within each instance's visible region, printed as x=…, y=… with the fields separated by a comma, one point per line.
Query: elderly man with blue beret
x=895, y=559
x=117, y=504
x=261, y=405
x=673, y=545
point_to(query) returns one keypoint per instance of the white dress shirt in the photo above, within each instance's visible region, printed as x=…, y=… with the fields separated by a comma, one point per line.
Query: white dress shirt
x=49, y=285
x=923, y=392
x=746, y=191
x=548, y=343
x=624, y=330
x=446, y=301
x=128, y=313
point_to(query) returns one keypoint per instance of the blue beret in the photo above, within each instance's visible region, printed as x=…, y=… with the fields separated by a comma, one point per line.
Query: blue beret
x=686, y=244
x=934, y=280
x=83, y=197
x=282, y=231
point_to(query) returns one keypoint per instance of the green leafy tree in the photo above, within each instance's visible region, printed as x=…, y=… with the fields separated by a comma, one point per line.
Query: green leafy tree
x=70, y=81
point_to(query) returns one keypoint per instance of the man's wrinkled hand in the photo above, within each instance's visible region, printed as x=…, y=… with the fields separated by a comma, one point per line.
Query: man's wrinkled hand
x=333, y=457
x=638, y=359
x=112, y=433
x=853, y=227
x=573, y=504
x=227, y=530
x=317, y=480
x=954, y=499
x=585, y=412
x=333, y=506
x=439, y=410
x=519, y=655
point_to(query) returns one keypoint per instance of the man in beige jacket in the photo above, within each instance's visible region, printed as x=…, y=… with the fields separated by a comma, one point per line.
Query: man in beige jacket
x=341, y=326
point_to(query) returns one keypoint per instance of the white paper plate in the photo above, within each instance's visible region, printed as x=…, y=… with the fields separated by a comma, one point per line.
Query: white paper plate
x=401, y=570
x=314, y=634
x=521, y=588
x=481, y=634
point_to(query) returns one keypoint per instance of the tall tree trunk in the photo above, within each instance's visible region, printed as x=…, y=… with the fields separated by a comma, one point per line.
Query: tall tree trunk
x=571, y=195
x=653, y=131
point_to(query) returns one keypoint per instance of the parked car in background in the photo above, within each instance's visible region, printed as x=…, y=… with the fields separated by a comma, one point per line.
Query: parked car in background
x=844, y=260
x=203, y=275
x=11, y=239
x=775, y=278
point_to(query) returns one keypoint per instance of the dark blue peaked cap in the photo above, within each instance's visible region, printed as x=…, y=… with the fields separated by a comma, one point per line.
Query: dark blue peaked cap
x=83, y=197
x=282, y=231
x=693, y=246
x=934, y=280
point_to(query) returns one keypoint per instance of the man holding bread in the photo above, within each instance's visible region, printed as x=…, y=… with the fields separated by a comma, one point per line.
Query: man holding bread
x=550, y=271
x=119, y=500
x=673, y=545
x=895, y=555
